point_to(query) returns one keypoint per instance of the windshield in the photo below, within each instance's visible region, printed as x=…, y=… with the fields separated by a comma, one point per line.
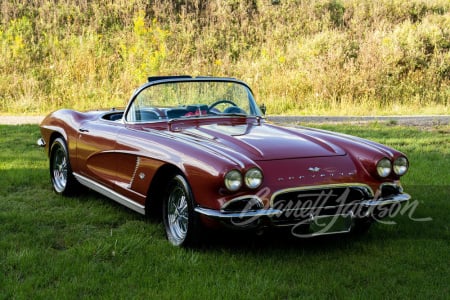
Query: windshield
x=187, y=99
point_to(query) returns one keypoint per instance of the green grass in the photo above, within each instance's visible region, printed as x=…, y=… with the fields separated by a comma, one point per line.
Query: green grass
x=87, y=246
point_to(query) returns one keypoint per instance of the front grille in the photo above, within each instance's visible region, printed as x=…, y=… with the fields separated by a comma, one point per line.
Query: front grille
x=299, y=204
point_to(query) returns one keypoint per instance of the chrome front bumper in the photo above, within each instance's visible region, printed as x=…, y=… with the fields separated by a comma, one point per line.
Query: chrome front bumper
x=41, y=142
x=366, y=205
x=218, y=214
x=396, y=199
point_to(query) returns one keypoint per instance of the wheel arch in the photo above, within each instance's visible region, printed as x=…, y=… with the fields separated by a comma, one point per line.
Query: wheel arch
x=69, y=139
x=54, y=135
x=153, y=203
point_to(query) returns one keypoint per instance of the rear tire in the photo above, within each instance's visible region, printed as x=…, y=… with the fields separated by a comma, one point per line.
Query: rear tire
x=63, y=181
x=181, y=222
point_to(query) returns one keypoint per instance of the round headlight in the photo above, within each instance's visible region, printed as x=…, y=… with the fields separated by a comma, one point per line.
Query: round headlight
x=233, y=180
x=384, y=167
x=253, y=178
x=401, y=165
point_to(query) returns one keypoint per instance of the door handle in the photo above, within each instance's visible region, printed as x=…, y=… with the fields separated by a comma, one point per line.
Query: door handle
x=83, y=130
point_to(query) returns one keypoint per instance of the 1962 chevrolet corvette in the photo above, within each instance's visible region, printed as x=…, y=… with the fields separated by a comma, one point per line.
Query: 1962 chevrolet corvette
x=199, y=152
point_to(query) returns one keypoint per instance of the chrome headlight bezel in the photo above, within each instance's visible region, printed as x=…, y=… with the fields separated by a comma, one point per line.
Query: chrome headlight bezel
x=384, y=167
x=401, y=166
x=233, y=180
x=253, y=178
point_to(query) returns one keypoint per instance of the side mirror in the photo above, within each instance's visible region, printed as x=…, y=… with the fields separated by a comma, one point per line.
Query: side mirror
x=263, y=109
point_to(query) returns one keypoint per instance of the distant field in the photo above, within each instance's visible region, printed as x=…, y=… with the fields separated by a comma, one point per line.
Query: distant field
x=309, y=57
x=88, y=247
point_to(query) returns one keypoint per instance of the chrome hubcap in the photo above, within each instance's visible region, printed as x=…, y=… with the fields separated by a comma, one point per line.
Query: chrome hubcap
x=177, y=215
x=59, y=170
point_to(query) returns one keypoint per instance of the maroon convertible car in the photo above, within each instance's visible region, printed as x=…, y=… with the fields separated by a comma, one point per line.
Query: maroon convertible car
x=199, y=152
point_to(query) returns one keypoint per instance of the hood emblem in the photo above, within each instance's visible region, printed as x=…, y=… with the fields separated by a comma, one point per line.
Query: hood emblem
x=314, y=169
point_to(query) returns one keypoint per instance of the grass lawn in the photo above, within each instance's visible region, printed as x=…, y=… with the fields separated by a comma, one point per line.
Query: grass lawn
x=87, y=246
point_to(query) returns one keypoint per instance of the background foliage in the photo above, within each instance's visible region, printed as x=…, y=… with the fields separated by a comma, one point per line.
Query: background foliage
x=301, y=57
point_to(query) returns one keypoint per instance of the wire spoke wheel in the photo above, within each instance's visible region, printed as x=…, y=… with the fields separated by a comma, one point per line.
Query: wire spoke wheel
x=178, y=214
x=60, y=169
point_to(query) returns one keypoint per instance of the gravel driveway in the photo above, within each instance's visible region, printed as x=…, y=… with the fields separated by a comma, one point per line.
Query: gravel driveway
x=401, y=120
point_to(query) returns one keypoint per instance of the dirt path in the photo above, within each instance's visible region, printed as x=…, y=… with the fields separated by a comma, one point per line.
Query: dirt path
x=18, y=120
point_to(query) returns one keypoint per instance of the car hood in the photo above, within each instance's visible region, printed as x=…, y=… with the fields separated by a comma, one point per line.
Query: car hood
x=260, y=141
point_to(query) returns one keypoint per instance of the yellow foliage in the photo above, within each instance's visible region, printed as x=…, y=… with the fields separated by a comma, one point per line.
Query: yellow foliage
x=300, y=57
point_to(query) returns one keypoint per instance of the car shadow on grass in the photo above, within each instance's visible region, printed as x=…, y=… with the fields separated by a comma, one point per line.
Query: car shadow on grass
x=271, y=239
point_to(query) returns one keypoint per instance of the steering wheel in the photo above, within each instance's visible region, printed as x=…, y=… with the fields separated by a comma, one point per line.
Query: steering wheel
x=220, y=102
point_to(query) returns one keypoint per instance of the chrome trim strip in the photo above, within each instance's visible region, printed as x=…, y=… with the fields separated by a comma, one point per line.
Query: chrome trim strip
x=248, y=214
x=400, y=198
x=113, y=195
x=138, y=162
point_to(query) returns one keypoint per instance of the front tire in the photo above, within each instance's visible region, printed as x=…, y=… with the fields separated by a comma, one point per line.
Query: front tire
x=63, y=181
x=181, y=222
